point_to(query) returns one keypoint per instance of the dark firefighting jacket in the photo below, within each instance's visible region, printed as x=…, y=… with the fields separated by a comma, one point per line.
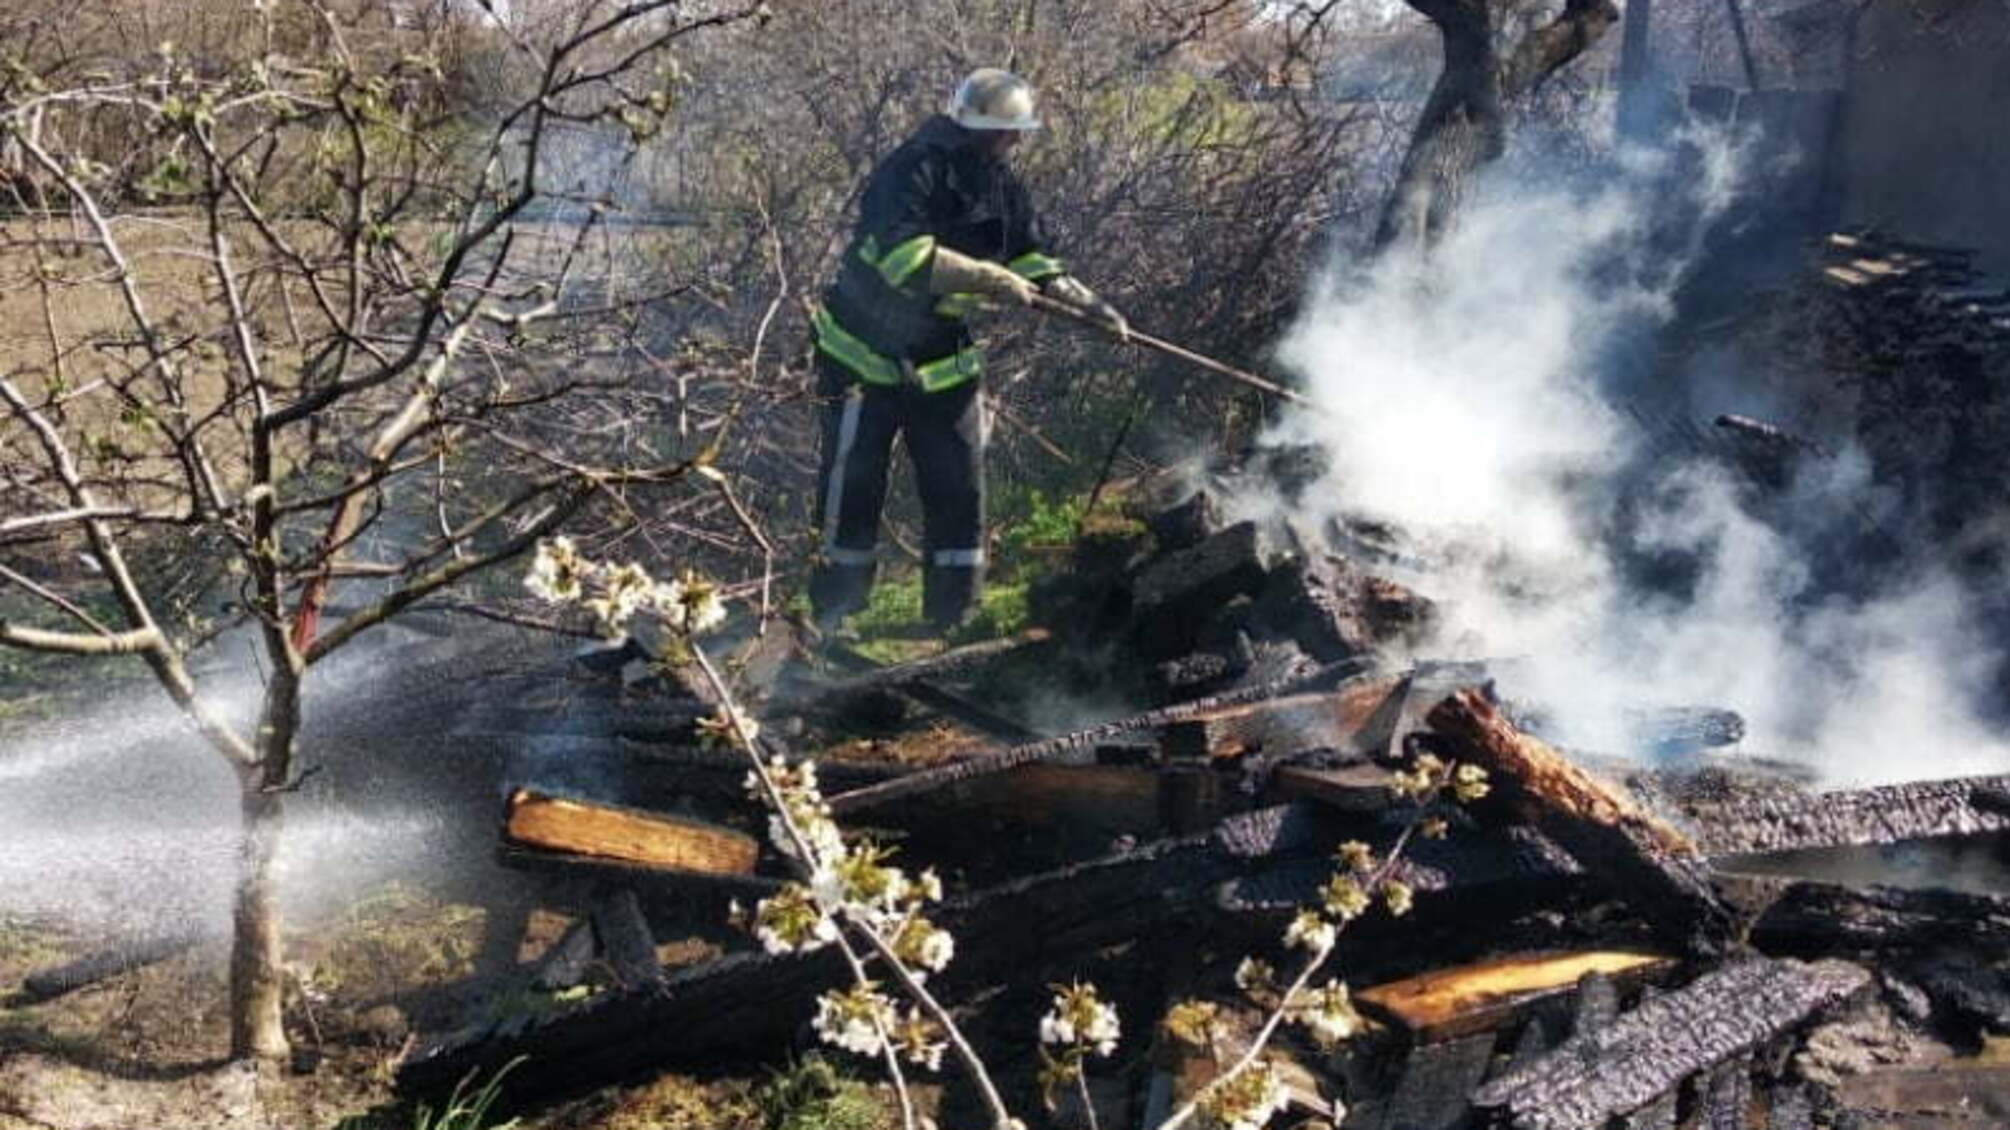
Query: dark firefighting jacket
x=938, y=189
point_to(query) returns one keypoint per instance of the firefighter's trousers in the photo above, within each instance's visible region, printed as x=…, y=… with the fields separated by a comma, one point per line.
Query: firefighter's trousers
x=945, y=434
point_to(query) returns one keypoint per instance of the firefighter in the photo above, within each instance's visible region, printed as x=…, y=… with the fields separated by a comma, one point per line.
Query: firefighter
x=944, y=227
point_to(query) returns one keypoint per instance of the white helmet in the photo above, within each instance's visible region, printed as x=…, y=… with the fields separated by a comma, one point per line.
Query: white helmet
x=993, y=99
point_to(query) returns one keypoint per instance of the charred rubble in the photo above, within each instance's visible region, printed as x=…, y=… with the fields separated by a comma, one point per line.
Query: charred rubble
x=1594, y=944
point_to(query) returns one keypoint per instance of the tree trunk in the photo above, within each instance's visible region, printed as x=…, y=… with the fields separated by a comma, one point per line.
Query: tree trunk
x=1459, y=130
x=257, y=970
x=256, y=973
x=1463, y=126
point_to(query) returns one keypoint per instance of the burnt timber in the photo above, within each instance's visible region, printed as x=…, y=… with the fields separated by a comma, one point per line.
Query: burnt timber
x=1650, y=863
x=1881, y=815
x=1646, y=1052
x=1048, y=749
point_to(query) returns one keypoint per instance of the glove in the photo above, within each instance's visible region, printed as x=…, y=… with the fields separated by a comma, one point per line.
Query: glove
x=953, y=272
x=1076, y=293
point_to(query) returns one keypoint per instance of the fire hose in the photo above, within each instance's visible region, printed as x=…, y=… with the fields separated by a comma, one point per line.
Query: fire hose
x=1047, y=305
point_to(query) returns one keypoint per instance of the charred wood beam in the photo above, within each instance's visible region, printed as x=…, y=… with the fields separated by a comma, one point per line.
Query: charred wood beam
x=564, y=964
x=1646, y=1052
x=1881, y=815
x=1647, y=863
x=1810, y=917
x=982, y=765
x=674, y=722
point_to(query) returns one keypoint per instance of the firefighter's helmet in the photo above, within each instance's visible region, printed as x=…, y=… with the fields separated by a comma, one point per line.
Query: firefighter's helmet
x=994, y=99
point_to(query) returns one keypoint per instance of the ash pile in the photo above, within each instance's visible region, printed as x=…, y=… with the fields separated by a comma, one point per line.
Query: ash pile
x=1693, y=938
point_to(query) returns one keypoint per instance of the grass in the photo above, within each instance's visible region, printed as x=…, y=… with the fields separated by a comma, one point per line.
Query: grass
x=810, y=1094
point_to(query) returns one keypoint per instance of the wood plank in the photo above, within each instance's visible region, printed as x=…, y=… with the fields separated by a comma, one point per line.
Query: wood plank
x=1488, y=994
x=582, y=827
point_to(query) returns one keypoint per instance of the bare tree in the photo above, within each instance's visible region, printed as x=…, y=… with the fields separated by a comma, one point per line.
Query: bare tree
x=360, y=333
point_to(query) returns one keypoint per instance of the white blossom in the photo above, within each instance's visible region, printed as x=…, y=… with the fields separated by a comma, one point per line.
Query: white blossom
x=557, y=572
x=790, y=921
x=1311, y=932
x=1254, y=973
x=853, y=1019
x=1328, y=1012
x=1079, y=1018
x=1247, y=1100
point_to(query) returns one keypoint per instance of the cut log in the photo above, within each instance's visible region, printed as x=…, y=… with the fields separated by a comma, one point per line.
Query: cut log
x=1811, y=918
x=1646, y=1052
x=583, y=827
x=1648, y=863
x=1534, y=778
x=1881, y=815
x=1050, y=749
x=1486, y=995
x=1355, y=718
x=89, y=970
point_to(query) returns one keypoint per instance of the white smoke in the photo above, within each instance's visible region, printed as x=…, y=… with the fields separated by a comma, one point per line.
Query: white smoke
x=1465, y=400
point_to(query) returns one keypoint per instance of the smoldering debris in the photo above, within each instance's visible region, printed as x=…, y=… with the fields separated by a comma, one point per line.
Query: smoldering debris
x=1207, y=816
